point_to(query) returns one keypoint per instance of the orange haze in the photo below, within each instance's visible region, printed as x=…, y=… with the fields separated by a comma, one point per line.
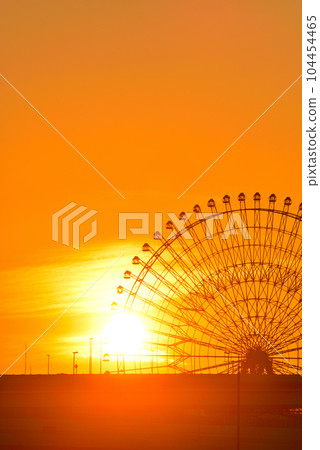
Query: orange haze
x=151, y=93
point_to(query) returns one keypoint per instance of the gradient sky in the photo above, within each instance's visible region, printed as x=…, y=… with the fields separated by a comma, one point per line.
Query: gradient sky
x=151, y=93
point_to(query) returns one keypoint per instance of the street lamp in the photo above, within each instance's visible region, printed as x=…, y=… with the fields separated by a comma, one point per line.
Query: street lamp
x=74, y=362
x=90, y=356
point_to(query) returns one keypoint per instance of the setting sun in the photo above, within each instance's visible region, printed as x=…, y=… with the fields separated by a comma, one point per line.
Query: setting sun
x=124, y=334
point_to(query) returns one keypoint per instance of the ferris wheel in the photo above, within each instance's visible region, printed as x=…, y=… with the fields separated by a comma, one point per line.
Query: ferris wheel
x=222, y=293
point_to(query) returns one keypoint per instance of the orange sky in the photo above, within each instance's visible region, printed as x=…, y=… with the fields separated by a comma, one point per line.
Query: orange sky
x=151, y=93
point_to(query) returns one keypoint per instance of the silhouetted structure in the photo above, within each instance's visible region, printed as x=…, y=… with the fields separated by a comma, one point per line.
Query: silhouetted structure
x=223, y=287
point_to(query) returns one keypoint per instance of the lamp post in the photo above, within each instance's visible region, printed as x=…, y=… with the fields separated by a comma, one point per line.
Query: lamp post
x=100, y=354
x=238, y=402
x=90, y=356
x=74, y=362
x=25, y=359
x=106, y=357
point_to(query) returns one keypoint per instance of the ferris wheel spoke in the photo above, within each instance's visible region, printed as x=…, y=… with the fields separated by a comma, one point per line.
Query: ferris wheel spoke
x=203, y=282
x=184, y=266
x=277, y=260
x=281, y=303
x=282, y=273
x=283, y=311
x=288, y=250
x=169, y=268
x=276, y=299
x=229, y=252
x=292, y=347
x=209, y=263
x=268, y=233
x=231, y=310
x=292, y=324
x=289, y=350
x=183, y=295
x=183, y=320
x=287, y=318
x=282, y=368
x=185, y=311
x=237, y=292
x=289, y=336
x=280, y=235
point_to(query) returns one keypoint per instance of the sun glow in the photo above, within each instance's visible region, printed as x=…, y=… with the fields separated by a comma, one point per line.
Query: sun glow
x=124, y=334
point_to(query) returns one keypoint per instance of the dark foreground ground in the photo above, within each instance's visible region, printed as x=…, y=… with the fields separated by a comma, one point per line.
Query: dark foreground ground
x=137, y=412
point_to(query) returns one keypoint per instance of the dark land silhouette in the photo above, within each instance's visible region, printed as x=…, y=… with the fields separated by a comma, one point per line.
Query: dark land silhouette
x=140, y=412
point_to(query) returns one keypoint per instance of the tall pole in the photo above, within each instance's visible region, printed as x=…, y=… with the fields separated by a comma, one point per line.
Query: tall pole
x=90, y=356
x=74, y=362
x=25, y=359
x=48, y=356
x=238, y=403
x=100, y=354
